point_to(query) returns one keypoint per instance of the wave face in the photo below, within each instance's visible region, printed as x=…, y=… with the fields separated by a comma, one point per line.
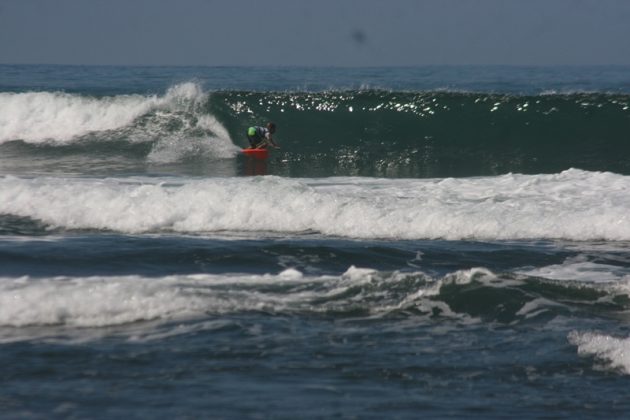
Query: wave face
x=353, y=132
x=435, y=134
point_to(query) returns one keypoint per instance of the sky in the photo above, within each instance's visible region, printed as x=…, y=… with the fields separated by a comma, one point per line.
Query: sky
x=315, y=32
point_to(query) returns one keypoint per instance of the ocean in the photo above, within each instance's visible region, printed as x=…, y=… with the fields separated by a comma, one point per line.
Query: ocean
x=427, y=242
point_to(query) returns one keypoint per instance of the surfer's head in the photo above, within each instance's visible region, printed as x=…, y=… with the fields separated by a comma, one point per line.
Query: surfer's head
x=271, y=127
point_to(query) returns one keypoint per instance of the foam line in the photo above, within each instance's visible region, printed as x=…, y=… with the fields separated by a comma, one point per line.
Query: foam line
x=574, y=204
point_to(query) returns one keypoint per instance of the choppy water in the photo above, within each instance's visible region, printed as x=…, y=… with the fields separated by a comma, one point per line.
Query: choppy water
x=440, y=242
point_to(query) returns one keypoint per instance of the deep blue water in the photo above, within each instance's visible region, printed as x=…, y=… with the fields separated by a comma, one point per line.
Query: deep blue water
x=428, y=242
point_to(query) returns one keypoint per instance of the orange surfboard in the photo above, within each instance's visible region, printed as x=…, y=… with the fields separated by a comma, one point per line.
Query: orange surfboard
x=256, y=153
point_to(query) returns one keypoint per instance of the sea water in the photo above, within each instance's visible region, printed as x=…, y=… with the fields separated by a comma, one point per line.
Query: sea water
x=427, y=242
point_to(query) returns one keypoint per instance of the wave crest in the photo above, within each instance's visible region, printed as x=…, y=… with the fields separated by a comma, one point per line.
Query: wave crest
x=58, y=117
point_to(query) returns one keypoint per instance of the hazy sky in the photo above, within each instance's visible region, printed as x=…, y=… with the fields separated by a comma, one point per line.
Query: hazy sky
x=315, y=32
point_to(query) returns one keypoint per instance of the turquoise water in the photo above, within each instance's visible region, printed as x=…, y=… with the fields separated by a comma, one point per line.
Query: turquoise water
x=439, y=242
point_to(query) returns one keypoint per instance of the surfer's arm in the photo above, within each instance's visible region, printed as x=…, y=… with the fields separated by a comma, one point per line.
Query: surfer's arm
x=271, y=141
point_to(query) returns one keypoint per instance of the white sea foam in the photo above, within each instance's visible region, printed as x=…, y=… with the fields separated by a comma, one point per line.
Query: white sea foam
x=180, y=145
x=93, y=302
x=612, y=352
x=36, y=117
x=107, y=301
x=62, y=118
x=580, y=269
x=142, y=308
x=574, y=205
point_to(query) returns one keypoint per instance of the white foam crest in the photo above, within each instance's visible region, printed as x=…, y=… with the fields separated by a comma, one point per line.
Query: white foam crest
x=464, y=277
x=613, y=352
x=37, y=117
x=116, y=300
x=574, y=205
x=88, y=302
x=107, y=301
x=580, y=269
x=461, y=277
x=536, y=307
x=184, y=93
x=381, y=292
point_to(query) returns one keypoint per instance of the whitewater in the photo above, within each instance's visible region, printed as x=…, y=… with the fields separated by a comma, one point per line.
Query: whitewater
x=574, y=205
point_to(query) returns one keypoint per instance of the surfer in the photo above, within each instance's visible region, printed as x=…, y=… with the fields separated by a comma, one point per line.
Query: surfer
x=261, y=137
